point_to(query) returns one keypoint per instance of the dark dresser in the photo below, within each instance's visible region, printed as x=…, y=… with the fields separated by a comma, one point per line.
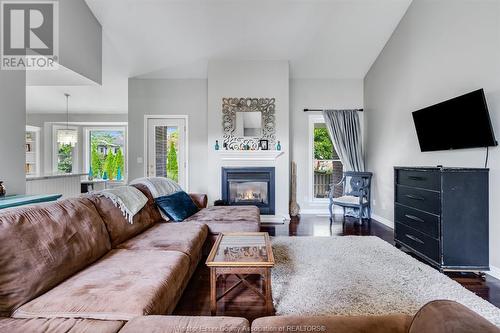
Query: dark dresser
x=441, y=215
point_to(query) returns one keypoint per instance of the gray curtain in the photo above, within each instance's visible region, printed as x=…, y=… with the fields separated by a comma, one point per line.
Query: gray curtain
x=345, y=131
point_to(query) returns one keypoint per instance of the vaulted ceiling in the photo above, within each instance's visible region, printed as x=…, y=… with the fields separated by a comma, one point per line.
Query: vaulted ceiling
x=320, y=38
x=176, y=39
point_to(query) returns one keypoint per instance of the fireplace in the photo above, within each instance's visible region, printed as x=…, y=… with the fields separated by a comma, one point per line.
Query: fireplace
x=249, y=186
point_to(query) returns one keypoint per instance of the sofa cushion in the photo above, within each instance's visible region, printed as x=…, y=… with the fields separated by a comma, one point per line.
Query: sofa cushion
x=118, y=227
x=177, y=206
x=59, y=325
x=43, y=245
x=184, y=324
x=229, y=219
x=187, y=238
x=200, y=200
x=344, y=324
x=447, y=317
x=122, y=285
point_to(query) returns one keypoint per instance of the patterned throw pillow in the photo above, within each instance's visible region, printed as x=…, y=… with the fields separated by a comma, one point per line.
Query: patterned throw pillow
x=177, y=206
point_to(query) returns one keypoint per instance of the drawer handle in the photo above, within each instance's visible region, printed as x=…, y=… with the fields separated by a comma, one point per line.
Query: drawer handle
x=414, y=218
x=417, y=178
x=414, y=197
x=413, y=238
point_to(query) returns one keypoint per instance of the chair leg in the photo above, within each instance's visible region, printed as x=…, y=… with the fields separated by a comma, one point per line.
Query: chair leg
x=360, y=215
x=330, y=208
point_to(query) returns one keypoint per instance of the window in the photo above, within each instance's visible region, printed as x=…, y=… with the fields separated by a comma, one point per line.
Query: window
x=64, y=157
x=105, y=152
x=326, y=165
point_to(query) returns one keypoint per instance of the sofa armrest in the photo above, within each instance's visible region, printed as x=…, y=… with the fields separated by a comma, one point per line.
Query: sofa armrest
x=200, y=200
x=449, y=317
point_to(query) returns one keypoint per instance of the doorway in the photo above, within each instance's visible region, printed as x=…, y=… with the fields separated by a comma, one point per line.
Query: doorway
x=166, y=148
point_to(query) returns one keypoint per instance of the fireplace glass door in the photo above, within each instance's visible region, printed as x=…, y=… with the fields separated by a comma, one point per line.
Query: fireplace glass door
x=249, y=187
x=248, y=193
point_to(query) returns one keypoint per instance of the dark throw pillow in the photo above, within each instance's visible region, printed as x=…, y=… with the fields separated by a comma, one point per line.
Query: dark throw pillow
x=177, y=206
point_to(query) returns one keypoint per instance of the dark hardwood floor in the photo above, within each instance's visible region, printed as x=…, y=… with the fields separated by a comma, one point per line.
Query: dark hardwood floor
x=242, y=302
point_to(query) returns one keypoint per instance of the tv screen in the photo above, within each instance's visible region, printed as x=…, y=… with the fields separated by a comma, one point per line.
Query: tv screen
x=461, y=122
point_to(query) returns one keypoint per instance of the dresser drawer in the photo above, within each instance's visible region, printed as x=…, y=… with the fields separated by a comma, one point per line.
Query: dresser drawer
x=423, y=222
x=419, y=178
x=418, y=241
x=427, y=201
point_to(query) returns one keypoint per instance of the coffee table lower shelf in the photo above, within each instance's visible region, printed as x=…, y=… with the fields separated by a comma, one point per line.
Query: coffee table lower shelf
x=241, y=273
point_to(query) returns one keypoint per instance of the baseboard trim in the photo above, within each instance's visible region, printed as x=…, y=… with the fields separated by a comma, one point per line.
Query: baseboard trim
x=314, y=212
x=320, y=211
x=383, y=220
x=274, y=219
x=494, y=272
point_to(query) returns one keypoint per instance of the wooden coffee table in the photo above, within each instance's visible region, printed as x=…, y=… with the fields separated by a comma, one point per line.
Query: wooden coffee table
x=241, y=254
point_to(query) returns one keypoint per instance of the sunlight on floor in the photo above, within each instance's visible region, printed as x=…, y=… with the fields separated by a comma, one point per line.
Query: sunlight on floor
x=321, y=230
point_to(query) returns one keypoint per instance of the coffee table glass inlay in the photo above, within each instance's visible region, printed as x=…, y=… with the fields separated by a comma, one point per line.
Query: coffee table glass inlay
x=241, y=254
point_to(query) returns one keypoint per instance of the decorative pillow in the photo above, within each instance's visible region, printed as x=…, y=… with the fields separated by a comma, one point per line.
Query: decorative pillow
x=177, y=206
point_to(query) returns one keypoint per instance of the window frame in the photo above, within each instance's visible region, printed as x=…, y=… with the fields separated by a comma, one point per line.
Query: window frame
x=111, y=128
x=313, y=120
x=55, y=149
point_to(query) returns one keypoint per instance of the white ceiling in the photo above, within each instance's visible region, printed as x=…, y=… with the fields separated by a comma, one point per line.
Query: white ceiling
x=176, y=39
x=320, y=38
x=109, y=98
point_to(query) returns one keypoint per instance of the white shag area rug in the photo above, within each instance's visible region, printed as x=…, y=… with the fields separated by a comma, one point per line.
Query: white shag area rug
x=351, y=275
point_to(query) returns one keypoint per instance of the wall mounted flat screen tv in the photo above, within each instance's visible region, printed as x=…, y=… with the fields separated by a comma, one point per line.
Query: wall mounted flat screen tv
x=461, y=122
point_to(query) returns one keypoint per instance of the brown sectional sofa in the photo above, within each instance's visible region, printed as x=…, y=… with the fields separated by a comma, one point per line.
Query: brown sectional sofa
x=435, y=317
x=80, y=259
x=78, y=266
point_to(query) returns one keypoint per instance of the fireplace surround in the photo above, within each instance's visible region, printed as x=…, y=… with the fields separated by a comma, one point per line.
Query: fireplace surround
x=249, y=186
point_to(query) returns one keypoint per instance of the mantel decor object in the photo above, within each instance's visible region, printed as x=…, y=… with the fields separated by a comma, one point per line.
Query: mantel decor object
x=242, y=126
x=264, y=144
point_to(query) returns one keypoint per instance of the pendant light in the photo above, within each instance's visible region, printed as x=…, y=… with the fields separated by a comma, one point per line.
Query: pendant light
x=67, y=136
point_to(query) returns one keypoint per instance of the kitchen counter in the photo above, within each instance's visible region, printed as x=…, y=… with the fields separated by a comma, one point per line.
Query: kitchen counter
x=24, y=200
x=69, y=185
x=55, y=175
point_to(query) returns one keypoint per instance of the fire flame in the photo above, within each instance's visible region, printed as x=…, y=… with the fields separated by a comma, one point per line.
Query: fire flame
x=248, y=195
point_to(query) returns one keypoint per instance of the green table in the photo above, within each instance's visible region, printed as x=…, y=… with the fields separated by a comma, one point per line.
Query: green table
x=21, y=200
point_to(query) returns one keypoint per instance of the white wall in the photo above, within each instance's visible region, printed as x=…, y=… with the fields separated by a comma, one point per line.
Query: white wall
x=170, y=97
x=441, y=49
x=316, y=94
x=12, y=127
x=80, y=50
x=253, y=79
x=80, y=39
x=46, y=122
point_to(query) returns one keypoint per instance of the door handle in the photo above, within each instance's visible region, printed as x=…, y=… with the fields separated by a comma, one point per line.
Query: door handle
x=417, y=178
x=414, y=218
x=413, y=238
x=414, y=197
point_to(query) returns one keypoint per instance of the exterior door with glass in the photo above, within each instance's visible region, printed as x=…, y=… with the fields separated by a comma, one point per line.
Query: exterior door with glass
x=166, y=149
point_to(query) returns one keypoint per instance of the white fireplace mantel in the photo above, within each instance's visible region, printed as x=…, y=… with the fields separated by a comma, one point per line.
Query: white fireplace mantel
x=249, y=155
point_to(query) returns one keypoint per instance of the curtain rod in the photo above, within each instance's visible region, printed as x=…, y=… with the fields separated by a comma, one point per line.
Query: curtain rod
x=321, y=110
